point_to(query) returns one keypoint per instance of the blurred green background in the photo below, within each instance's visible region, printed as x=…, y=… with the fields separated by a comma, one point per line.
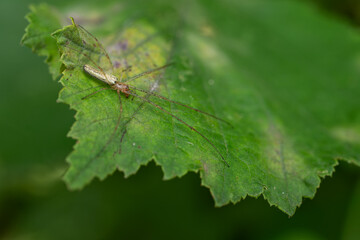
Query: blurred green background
x=35, y=204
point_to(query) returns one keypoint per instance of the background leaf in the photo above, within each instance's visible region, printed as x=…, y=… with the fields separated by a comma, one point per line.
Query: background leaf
x=251, y=68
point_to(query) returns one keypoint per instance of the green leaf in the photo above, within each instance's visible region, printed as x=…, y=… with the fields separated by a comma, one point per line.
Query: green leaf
x=43, y=20
x=289, y=88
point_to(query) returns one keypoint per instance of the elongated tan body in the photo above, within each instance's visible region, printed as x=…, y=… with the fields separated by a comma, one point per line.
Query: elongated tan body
x=109, y=79
x=102, y=76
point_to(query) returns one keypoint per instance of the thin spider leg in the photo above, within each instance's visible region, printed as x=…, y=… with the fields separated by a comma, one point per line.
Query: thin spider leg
x=91, y=94
x=97, y=41
x=85, y=128
x=182, y=121
x=124, y=70
x=128, y=68
x=99, y=44
x=73, y=94
x=121, y=76
x=179, y=103
x=121, y=110
x=121, y=141
x=146, y=73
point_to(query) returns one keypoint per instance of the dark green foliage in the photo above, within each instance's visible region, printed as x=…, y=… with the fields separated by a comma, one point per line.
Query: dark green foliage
x=283, y=76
